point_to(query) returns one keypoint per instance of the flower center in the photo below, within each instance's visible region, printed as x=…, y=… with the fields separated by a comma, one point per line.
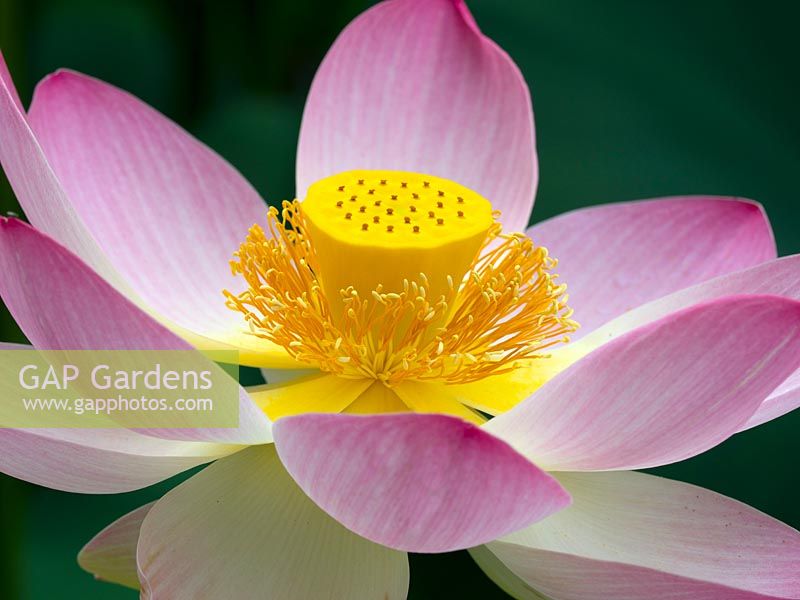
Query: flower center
x=397, y=276
x=374, y=229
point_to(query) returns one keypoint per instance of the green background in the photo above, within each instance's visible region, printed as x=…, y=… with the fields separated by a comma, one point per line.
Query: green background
x=633, y=100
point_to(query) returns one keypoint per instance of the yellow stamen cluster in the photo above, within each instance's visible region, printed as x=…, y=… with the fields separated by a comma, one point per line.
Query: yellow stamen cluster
x=507, y=309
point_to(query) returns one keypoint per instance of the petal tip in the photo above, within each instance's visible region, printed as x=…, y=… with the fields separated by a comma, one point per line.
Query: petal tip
x=57, y=80
x=464, y=12
x=12, y=222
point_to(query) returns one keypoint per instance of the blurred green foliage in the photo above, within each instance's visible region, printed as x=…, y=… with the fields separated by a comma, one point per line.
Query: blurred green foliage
x=633, y=100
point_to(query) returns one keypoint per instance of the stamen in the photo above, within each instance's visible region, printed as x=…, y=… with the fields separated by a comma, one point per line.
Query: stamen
x=507, y=309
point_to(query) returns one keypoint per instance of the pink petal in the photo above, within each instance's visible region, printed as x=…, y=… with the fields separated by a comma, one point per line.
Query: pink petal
x=98, y=461
x=781, y=401
x=111, y=554
x=243, y=529
x=617, y=256
x=413, y=85
x=60, y=303
x=663, y=392
x=416, y=482
x=36, y=186
x=631, y=536
x=779, y=277
x=166, y=210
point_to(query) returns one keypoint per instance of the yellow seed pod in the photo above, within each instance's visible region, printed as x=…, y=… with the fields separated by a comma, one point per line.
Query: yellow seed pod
x=379, y=228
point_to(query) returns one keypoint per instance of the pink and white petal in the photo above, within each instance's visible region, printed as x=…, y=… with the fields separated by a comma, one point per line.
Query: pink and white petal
x=780, y=277
x=502, y=576
x=784, y=399
x=616, y=257
x=14, y=346
x=47, y=206
x=416, y=482
x=661, y=393
x=276, y=543
x=36, y=186
x=631, y=536
x=60, y=303
x=414, y=85
x=574, y=578
x=166, y=210
x=111, y=554
x=99, y=461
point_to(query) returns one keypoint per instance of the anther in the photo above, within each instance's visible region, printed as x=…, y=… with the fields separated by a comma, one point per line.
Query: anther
x=441, y=193
x=339, y=204
x=376, y=219
x=360, y=182
x=341, y=188
x=378, y=202
x=426, y=184
x=389, y=211
x=404, y=184
x=461, y=214
x=390, y=228
x=406, y=219
x=383, y=182
x=362, y=209
x=394, y=196
x=412, y=208
x=416, y=228
x=440, y=221
x=415, y=196
x=364, y=227
x=439, y=205
x=460, y=200
x=431, y=214
x=353, y=198
x=348, y=216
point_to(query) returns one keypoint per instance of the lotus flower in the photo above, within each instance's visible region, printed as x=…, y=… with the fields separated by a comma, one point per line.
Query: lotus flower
x=384, y=362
